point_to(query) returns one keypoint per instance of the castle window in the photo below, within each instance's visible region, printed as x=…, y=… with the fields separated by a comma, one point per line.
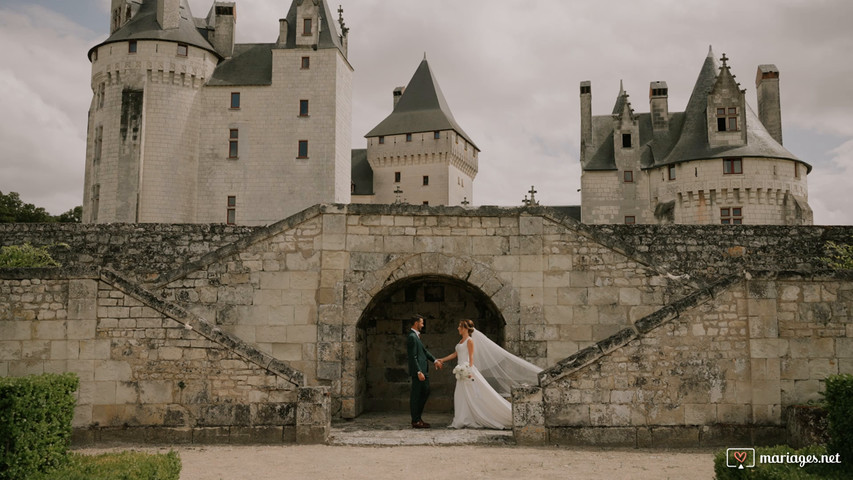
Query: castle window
x=586, y=89
x=95, y=55
x=727, y=119
x=626, y=140
x=131, y=46
x=233, y=137
x=796, y=170
x=732, y=166
x=235, y=100
x=426, y=180
x=671, y=172
x=381, y=140
x=731, y=216
x=306, y=63
x=436, y=135
x=628, y=176
x=96, y=201
x=303, y=108
x=408, y=137
x=303, y=149
x=306, y=26
x=397, y=177
x=231, y=210
x=426, y=203
x=183, y=49
x=224, y=10
x=630, y=220
x=99, y=142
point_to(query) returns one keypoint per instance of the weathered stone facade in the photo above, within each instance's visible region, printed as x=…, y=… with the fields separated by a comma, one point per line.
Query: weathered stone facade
x=649, y=334
x=185, y=126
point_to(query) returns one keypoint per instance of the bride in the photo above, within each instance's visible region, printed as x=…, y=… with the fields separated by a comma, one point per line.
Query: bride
x=484, y=375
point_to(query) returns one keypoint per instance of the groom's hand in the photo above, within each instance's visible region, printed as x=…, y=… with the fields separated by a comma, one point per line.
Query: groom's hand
x=421, y=376
x=438, y=364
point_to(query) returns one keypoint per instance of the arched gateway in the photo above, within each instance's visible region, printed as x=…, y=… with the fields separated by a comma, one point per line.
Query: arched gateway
x=443, y=289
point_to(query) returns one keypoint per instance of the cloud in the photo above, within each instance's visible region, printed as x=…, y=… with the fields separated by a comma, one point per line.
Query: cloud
x=830, y=187
x=44, y=77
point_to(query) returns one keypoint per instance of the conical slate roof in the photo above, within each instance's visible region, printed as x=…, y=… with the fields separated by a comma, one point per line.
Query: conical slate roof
x=687, y=136
x=422, y=108
x=692, y=141
x=144, y=26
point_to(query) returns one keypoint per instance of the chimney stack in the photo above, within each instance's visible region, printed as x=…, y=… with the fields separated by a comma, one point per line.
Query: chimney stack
x=225, y=14
x=659, y=105
x=769, y=102
x=398, y=92
x=586, y=119
x=169, y=14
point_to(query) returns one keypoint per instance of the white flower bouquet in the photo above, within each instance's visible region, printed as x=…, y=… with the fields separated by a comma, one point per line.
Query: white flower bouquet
x=463, y=371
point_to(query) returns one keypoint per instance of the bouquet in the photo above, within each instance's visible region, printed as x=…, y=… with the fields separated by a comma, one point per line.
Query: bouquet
x=462, y=371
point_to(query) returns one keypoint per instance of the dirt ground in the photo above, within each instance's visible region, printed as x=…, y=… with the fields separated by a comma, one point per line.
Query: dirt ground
x=434, y=462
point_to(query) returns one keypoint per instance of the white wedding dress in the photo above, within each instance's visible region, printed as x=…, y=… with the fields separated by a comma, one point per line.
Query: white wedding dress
x=478, y=401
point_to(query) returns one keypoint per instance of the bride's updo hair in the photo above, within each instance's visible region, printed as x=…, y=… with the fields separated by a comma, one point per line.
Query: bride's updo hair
x=469, y=324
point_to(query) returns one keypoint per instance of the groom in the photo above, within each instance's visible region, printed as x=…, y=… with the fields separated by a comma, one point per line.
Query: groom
x=419, y=371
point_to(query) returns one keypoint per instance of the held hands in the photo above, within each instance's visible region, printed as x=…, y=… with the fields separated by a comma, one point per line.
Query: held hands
x=439, y=364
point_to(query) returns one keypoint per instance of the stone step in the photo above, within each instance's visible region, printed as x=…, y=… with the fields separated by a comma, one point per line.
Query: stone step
x=374, y=429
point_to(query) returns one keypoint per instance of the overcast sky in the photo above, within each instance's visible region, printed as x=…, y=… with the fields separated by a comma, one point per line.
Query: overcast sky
x=509, y=70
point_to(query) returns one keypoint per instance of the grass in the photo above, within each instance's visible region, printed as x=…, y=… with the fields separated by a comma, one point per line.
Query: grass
x=118, y=466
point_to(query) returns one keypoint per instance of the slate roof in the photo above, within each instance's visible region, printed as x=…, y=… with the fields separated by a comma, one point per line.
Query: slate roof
x=250, y=64
x=422, y=108
x=144, y=26
x=687, y=136
x=362, y=173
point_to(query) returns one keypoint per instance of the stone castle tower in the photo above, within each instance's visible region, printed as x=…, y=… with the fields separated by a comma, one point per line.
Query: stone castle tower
x=419, y=154
x=186, y=126
x=716, y=162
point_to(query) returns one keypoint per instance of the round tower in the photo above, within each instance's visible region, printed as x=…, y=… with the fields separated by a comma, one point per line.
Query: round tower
x=142, y=151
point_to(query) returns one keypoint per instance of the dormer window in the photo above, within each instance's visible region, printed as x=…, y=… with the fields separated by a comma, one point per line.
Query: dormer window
x=626, y=140
x=727, y=119
x=306, y=26
x=628, y=176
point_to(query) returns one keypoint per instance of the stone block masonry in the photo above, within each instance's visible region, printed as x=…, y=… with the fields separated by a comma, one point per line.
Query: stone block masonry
x=668, y=335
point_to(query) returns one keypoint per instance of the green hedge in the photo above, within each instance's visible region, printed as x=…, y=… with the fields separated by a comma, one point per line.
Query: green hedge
x=111, y=466
x=839, y=414
x=35, y=423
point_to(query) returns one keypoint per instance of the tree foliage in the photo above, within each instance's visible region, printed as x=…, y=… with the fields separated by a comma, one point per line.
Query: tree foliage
x=14, y=210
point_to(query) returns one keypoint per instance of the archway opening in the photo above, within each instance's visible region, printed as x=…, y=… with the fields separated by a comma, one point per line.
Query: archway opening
x=382, y=371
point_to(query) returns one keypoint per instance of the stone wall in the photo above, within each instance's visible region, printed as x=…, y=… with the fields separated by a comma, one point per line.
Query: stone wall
x=676, y=315
x=149, y=372
x=721, y=370
x=137, y=250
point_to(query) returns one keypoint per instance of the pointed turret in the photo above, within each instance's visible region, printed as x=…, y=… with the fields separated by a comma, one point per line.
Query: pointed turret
x=421, y=108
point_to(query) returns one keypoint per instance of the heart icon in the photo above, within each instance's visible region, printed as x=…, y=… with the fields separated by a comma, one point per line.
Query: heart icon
x=740, y=456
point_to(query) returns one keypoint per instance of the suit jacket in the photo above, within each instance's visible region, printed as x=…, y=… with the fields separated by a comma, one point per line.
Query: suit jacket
x=419, y=357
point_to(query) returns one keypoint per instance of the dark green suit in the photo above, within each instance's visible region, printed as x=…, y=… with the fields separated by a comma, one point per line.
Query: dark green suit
x=419, y=361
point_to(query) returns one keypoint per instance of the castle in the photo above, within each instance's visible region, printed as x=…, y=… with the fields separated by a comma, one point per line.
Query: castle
x=716, y=162
x=186, y=126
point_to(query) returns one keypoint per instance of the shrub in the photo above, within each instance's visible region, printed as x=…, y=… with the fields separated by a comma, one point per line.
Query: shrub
x=26, y=256
x=35, y=423
x=124, y=465
x=839, y=257
x=838, y=398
